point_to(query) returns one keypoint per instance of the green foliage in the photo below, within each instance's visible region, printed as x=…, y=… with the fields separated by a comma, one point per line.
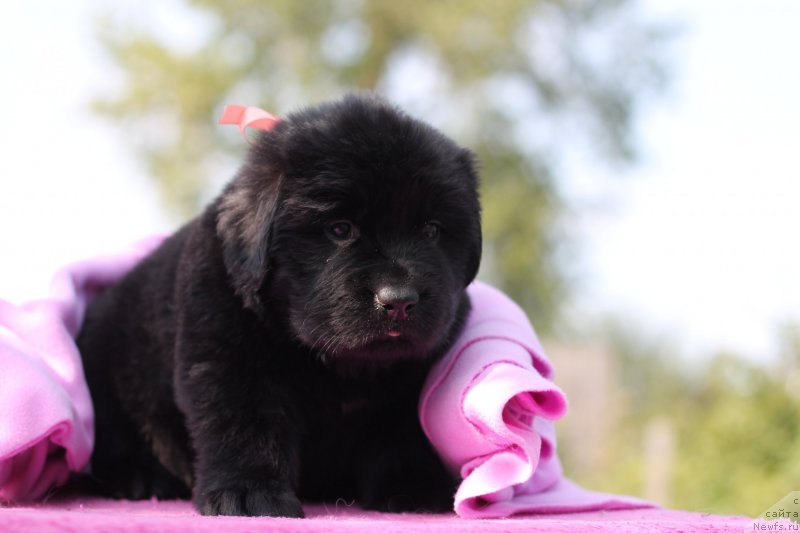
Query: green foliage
x=736, y=425
x=511, y=79
x=740, y=446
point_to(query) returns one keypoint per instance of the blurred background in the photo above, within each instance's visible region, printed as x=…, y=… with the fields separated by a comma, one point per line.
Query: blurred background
x=641, y=177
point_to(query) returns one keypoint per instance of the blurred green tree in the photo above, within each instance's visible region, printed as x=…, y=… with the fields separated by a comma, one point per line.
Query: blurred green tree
x=515, y=80
x=736, y=424
x=739, y=439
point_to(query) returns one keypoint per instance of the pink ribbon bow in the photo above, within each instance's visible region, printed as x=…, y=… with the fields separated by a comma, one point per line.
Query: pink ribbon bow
x=246, y=116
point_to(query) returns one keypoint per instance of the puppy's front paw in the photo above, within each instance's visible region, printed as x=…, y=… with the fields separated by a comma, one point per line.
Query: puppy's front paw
x=415, y=502
x=241, y=501
x=391, y=484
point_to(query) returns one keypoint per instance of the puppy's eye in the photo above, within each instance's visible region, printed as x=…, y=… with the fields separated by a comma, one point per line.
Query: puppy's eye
x=430, y=231
x=341, y=230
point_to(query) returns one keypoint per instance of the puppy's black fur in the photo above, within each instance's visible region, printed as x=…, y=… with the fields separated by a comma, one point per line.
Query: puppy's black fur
x=274, y=348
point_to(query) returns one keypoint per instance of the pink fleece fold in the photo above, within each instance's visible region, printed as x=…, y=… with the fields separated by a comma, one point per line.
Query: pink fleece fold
x=488, y=407
x=46, y=415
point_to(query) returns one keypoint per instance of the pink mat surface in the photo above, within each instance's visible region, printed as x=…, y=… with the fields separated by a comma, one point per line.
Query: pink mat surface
x=67, y=514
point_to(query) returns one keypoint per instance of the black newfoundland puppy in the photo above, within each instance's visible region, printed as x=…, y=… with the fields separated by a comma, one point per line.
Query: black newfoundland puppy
x=274, y=348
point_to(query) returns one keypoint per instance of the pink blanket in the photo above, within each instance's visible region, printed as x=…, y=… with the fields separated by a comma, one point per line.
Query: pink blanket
x=488, y=407
x=80, y=514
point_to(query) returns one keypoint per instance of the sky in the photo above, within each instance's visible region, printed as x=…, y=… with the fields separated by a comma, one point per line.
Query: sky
x=702, y=240
x=698, y=239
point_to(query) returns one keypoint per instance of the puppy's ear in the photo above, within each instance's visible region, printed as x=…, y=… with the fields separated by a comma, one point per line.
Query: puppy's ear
x=474, y=257
x=245, y=217
x=474, y=235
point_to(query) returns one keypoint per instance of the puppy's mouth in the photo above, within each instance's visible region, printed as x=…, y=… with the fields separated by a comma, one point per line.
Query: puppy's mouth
x=386, y=342
x=375, y=330
x=396, y=330
x=393, y=333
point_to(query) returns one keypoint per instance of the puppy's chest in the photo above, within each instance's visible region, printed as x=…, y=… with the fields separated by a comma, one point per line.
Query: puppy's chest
x=354, y=406
x=355, y=403
x=362, y=404
x=363, y=401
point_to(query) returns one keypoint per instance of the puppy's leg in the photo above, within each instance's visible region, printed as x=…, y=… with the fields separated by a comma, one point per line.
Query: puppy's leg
x=243, y=431
x=244, y=464
x=122, y=464
x=132, y=475
x=400, y=471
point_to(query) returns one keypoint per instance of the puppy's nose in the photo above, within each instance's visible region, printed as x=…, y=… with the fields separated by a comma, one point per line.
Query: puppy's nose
x=397, y=301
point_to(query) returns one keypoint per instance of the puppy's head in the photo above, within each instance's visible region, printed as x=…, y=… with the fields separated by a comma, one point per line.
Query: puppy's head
x=357, y=224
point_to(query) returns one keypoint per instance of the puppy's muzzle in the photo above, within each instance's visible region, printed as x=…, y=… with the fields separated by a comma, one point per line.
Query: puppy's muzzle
x=397, y=300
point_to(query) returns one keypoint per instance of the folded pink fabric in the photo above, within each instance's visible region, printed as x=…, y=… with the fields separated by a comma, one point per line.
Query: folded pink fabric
x=46, y=415
x=488, y=407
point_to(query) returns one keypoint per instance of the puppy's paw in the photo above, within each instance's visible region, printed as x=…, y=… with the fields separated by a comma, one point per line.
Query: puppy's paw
x=241, y=501
x=397, y=487
x=420, y=502
x=162, y=488
x=141, y=484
